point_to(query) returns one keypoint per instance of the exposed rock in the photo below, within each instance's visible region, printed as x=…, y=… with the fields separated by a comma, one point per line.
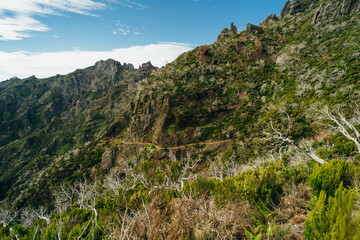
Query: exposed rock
x=108, y=159
x=270, y=19
x=228, y=33
x=296, y=6
x=240, y=47
x=203, y=54
x=253, y=29
x=335, y=9
x=258, y=53
x=147, y=67
x=109, y=65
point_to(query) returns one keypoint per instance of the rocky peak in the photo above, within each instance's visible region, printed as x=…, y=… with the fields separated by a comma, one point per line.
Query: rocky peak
x=271, y=18
x=326, y=11
x=228, y=32
x=294, y=7
x=331, y=10
x=147, y=67
x=253, y=29
x=108, y=66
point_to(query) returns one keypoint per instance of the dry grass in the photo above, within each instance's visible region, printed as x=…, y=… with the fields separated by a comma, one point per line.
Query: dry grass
x=187, y=218
x=293, y=209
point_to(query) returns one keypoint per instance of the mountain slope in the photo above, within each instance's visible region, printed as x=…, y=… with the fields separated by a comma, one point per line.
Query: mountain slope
x=44, y=118
x=221, y=143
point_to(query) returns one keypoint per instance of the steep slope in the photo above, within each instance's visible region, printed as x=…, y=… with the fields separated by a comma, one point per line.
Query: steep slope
x=41, y=119
x=220, y=143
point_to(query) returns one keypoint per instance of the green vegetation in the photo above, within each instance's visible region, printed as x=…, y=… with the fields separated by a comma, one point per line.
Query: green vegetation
x=223, y=143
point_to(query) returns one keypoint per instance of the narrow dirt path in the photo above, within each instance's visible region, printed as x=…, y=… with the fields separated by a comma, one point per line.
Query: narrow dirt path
x=177, y=147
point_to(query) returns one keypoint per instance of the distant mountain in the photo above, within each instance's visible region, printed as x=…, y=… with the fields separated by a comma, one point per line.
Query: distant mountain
x=41, y=119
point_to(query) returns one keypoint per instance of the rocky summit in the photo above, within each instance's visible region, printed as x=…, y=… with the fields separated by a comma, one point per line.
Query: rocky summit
x=254, y=136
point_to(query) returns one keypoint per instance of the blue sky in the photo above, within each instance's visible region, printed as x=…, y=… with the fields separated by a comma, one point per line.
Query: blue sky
x=36, y=34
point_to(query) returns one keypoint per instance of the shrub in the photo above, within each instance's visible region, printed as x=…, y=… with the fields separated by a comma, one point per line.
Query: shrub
x=329, y=176
x=333, y=220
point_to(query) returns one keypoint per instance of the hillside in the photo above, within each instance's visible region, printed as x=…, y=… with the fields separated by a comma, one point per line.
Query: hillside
x=254, y=136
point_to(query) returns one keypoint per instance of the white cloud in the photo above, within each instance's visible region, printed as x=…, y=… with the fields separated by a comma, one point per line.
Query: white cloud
x=46, y=64
x=124, y=29
x=17, y=27
x=17, y=17
x=131, y=4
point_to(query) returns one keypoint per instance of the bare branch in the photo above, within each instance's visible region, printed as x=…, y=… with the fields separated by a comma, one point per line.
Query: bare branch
x=342, y=123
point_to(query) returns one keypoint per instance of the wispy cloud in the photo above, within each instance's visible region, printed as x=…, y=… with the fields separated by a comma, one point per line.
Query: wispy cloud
x=131, y=4
x=25, y=64
x=18, y=27
x=124, y=29
x=18, y=17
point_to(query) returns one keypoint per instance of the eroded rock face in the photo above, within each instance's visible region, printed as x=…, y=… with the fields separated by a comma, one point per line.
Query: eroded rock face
x=203, y=54
x=228, y=33
x=240, y=47
x=327, y=11
x=147, y=67
x=335, y=9
x=258, y=53
x=253, y=29
x=108, y=159
x=296, y=6
x=270, y=19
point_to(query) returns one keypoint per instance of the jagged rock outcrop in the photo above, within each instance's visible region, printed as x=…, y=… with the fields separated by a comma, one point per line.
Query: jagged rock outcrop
x=296, y=6
x=259, y=52
x=147, y=67
x=203, y=54
x=327, y=11
x=332, y=10
x=253, y=29
x=228, y=32
x=107, y=159
x=270, y=19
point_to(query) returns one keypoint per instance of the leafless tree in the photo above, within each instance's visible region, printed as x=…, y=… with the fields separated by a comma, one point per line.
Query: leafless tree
x=220, y=169
x=28, y=216
x=281, y=141
x=345, y=126
x=7, y=217
x=64, y=196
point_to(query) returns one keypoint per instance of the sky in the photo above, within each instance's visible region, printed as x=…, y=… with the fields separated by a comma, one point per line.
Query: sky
x=49, y=37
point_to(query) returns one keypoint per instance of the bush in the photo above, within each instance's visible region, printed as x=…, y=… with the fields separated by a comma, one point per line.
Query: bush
x=328, y=177
x=333, y=220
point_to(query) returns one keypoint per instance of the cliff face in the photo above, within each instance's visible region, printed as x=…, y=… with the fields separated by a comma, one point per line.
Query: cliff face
x=323, y=11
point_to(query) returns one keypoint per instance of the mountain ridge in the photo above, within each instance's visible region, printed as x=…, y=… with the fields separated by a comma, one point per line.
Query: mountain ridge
x=241, y=123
